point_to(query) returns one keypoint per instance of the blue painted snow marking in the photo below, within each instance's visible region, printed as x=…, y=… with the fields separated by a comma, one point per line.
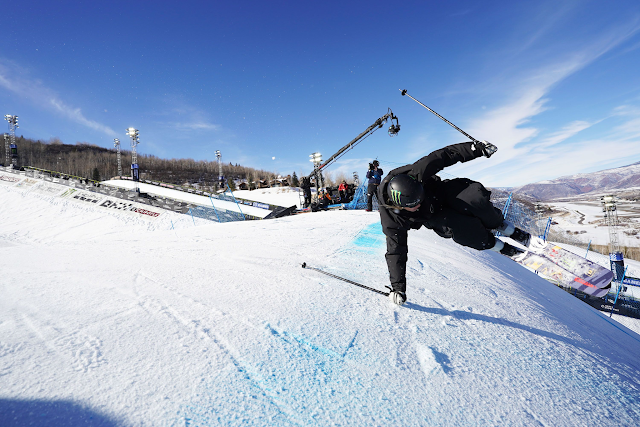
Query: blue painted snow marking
x=301, y=340
x=370, y=238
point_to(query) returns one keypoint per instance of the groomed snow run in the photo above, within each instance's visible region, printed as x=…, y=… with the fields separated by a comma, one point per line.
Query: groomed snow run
x=106, y=320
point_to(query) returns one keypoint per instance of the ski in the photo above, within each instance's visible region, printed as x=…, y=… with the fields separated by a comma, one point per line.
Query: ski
x=304, y=265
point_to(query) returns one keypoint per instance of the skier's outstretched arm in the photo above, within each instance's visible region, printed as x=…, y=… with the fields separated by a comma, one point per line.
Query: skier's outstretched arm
x=433, y=163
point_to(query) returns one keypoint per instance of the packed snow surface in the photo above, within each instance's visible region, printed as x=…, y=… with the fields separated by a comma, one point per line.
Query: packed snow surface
x=110, y=319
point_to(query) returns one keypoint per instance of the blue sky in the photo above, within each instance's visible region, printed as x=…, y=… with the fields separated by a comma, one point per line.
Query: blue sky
x=555, y=85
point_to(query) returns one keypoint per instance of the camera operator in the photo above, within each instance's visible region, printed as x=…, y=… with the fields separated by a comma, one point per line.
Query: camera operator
x=374, y=174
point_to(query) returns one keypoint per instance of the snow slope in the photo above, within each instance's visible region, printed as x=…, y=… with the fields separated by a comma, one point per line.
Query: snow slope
x=108, y=320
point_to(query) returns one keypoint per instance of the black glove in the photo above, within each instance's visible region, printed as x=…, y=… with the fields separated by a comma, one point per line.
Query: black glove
x=486, y=148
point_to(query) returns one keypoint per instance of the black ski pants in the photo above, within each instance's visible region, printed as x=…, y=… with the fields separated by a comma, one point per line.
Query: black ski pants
x=372, y=190
x=467, y=214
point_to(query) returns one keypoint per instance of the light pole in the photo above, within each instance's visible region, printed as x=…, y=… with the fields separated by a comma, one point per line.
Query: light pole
x=133, y=134
x=10, y=143
x=220, y=177
x=316, y=159
x=6, y=150
x=116, y=143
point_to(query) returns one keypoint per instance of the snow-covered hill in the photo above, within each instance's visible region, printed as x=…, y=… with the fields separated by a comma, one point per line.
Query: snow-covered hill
x=108, y=320
x=622, y=178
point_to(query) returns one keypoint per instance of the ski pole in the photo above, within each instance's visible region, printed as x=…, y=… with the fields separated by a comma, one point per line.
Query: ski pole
x=304, y=265
x=404, y=92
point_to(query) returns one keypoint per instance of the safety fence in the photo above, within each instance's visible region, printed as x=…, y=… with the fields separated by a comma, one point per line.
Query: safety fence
x=623, y=298
x=359, y=200
x=216, y=214
x=48, y=182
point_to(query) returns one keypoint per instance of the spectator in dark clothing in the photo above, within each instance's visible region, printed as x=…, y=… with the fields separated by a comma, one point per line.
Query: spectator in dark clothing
x=306, y=189
x=413, y=196
x=324, y=198
x=374, y=175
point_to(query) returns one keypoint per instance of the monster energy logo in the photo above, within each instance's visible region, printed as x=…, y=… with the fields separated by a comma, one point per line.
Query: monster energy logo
x=395, y=196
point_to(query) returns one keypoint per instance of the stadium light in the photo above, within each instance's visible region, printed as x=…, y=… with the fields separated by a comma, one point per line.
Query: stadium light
x=133, y=134
x=10, y=142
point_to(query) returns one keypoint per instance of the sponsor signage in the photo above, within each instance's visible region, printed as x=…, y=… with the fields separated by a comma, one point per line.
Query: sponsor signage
x=633, y=281
x=129, y=207
x=69, y=192
x=260, y=205
x=9, y=178
x=46, y=188
x=28, y=182
x=87, y=197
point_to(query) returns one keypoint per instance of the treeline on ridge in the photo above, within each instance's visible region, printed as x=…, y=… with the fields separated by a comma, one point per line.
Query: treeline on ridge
x=98, y=163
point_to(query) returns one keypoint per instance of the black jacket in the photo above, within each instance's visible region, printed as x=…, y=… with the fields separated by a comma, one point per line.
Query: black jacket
x=396, y=223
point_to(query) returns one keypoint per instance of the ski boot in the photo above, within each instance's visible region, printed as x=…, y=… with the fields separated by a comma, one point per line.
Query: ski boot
x=511, y=251
x=507, y=229
x=507, y=249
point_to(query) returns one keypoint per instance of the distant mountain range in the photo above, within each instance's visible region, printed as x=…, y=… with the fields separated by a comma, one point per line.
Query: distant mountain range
x=615, y=180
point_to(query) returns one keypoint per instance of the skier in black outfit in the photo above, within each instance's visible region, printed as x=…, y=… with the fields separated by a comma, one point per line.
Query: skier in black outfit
x=374, y=174
x=413, y=196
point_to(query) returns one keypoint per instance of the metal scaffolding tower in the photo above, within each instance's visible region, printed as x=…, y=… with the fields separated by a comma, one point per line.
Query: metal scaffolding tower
x=356, y=180
x=116, y=143
x=6, y=149
x=10, y=141
x=615, y=254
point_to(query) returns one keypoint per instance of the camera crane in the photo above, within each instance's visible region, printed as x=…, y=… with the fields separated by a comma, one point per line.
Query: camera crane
x=393, y=131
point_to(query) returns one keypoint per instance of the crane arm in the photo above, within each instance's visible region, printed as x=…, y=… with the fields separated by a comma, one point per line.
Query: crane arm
x=393, y=130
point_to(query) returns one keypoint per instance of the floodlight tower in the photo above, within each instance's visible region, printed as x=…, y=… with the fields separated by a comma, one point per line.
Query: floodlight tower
x=316, y=159
x=133, y=134
x=356, y=180
x=116, y=143
x=615, y=254
x=220, y=177
x=10, y=142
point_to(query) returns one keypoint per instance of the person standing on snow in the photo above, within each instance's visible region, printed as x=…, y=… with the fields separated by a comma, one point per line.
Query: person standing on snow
x=374, y=174
x=342, y=189
x=413, y=196
x=306, y=189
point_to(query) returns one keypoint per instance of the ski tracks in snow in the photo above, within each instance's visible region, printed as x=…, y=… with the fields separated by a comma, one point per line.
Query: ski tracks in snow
x=75, y=348
x=203, y=322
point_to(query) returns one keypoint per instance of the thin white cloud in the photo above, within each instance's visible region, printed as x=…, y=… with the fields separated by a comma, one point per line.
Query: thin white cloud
x=193, y=126
x=37, y=93
x=526, y=153
x=563, y=134
x=183, y=118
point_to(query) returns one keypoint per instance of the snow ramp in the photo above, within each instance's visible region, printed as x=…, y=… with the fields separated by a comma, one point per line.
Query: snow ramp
x=218, y=324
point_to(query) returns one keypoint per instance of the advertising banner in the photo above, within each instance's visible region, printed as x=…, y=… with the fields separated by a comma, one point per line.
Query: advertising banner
x=130, y=207
x=9, y=179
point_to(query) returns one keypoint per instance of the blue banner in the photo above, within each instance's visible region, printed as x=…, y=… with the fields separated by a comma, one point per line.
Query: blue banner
x=631, y=281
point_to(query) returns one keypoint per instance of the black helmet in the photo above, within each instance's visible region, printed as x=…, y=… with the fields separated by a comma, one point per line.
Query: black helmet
x=376, y=163
x=404, y=191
